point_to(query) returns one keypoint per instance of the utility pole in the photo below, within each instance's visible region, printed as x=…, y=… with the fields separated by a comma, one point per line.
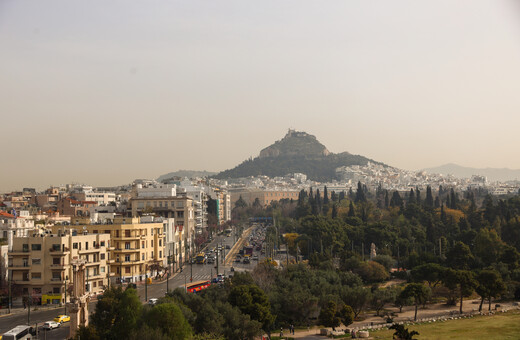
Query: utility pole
x=9, y=274
x=217, y=261
x=168, y=275
x=28, y=310
x=65, y=301
x=146, y=288
x=121, y=272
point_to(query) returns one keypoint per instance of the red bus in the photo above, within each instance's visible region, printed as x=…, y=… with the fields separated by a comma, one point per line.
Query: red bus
x=197, y=286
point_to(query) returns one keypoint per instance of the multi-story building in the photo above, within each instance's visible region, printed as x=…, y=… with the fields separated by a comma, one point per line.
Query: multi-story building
x=165, y=203
x=71, y=207
x=101, y=198
x=40, y=264
x=265, y=197
x=11, y=226
x=137, y=247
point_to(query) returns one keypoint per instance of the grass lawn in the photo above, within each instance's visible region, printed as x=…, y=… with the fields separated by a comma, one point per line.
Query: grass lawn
x=498, y=326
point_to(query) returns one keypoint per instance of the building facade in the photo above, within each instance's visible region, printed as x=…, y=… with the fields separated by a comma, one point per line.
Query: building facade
x=40, y=264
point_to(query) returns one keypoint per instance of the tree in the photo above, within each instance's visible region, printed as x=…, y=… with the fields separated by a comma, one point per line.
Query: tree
x=346, y=315
x=117, y=313
x=396, y=200
x=169, y=319
x=461, y=281
x=429, y=272
x=240, y=203
x=429, y=197
x=419, y=292
x=372, y=271
x=402, y=333
x=356, y=297
x=351, y=211
x=250, y=299
x=459, y=256
x=381, y=297
x=490, y=285
x=328, y=315
x=360, y=193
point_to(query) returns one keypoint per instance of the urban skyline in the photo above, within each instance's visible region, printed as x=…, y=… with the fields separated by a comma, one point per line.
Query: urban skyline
x=103, y=94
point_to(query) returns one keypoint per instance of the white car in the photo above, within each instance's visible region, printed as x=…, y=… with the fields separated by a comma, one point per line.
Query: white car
x=51, y=325
x=152, y=301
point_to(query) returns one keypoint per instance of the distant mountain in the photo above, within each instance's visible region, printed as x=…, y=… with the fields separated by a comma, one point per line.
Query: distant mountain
x=296, y=152
x=185, y=173
x=492, y=174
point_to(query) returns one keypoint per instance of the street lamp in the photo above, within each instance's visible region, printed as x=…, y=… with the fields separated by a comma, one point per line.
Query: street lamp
x=65, y=301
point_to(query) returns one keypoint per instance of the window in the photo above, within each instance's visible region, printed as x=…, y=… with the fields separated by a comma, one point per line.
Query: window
x=160, y=253
x=36, y=276
x=56, y=275
x=107, y=231
x=25, y=247
x=56, y=290
x=75, y=245
x=127, y=233
x=86, y=245
x=180, y=204
x=94, y=284
x=56, y=247
x=127, y=258
x=100, y=283
x=152, y=254
x=36, y=261
x=180, y=214
x=160, y=204
x=102, y=243
x=142, y=244
x=127, y=270
x=102, y=256
x=95, y=271
x=55, y=260
x=36, y=291
x=160, y=243
x=152, y=243
x=142, y=257
x=102, y=269
x=127, y=245
x=36, y=247
x=26, y=262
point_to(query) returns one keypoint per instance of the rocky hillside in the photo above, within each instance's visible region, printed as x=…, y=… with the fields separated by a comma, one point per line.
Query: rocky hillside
x=296, y=152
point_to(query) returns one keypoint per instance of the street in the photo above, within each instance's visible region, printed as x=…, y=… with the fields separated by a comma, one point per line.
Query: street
x=196, y=272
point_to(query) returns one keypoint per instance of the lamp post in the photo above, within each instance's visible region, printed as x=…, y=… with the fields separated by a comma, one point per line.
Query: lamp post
x=146, y=288
x=65, y=301
x=168, y=275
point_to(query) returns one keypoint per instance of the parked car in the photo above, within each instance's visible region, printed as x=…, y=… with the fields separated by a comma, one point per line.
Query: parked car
x=62, y=318
x=246, y=260
x=152, y=301
x=255, y=257
x=51, y=325
x=228, y=246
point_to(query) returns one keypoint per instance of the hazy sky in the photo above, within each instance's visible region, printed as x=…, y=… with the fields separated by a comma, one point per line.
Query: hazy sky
x=103, y=92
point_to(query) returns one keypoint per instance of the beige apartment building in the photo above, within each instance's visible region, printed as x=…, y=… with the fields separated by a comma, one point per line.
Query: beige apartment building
x=137, y=248
x=40, y=264
x=178, y=207
x=265, y=197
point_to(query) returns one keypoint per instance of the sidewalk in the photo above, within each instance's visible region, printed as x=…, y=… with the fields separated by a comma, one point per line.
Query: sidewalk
x=19, y=309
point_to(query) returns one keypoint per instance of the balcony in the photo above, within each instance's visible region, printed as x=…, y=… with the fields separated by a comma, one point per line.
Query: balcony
x=58, y=266
x=62, y=251
x=56, y=279
x=126, y=250
x=90, y=250
x=19, y=252
x=127, y=238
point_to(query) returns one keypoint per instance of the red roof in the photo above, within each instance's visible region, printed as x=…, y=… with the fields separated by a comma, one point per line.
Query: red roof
x=4, y=214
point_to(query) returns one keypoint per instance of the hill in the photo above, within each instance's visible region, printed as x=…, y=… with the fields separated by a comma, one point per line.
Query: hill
x=493, y=174
x=185, y=173
x=296, y=152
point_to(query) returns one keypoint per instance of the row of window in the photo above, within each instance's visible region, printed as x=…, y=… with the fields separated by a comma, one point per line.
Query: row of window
x=160, y=204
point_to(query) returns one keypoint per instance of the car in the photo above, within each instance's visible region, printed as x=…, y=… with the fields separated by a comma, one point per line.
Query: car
x=228, y=246
x=62, y=318
x=246, y=260
x=50, y=325
x=152, y=301
x=255, y=257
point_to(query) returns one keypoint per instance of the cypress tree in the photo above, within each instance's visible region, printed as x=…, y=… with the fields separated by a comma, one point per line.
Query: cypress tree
x=334, y=211
x=341, y=196
x=325, y=196
x=429, y=197
x=437, y=203
x=318, y=200
x=351, y=211
x=396, y=200
x=386, y=199
x=360, y=193
x=411, y=197
x=333, y=196
x=418, y=195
